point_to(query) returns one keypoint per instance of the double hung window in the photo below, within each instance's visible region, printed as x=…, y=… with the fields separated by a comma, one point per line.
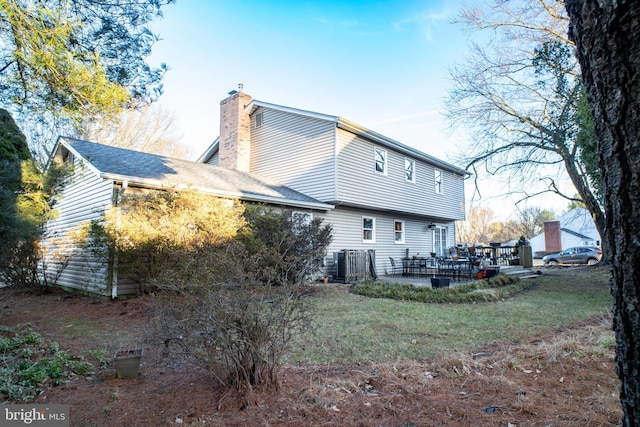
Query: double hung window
x=380, y=158
x=437, y=176
x=409, y=170
x=368, y=229
x=398, y=231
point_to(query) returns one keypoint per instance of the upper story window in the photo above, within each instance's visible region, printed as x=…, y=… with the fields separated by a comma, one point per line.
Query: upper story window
x=409, y=170
x=437, y=181
x=398, y=230
x=380, y=157
x=368, y=229
x=259, y=119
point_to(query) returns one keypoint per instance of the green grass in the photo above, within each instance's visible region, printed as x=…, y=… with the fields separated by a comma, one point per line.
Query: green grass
x=353, y=328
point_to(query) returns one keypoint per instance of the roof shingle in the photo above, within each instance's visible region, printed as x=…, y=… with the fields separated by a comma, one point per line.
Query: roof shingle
x=152, y=170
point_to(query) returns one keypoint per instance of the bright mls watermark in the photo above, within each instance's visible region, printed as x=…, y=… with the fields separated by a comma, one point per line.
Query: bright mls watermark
x=34, y=415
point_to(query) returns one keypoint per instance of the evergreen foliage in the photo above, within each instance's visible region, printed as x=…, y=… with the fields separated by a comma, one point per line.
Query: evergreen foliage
x=64, y=63
x=25, y=205
x=13, y=143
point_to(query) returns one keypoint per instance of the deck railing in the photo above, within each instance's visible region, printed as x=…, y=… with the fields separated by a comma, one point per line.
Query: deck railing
x=498, y=255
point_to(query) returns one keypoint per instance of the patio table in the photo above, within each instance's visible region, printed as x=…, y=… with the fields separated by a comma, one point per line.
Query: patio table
x=455, y=268
x=413, y=266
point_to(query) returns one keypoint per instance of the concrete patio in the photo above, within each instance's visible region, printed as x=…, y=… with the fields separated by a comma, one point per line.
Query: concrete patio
x=426, y=280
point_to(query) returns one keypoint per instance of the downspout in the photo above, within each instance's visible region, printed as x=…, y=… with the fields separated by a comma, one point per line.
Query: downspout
x=114, y=269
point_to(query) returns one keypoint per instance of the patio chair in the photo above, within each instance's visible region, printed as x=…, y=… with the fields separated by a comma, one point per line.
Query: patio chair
x=395, y=268
x=422, y=267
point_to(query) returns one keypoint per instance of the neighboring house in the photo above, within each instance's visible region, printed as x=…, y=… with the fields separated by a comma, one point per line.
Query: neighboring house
x=388, y=197
x=101, y=174
x=574, y=228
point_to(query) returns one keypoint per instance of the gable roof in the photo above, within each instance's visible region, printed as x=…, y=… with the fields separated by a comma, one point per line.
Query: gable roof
x=349, y=126
x=160, y=172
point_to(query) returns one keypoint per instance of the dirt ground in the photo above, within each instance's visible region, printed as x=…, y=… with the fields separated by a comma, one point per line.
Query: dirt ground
x=565, y=378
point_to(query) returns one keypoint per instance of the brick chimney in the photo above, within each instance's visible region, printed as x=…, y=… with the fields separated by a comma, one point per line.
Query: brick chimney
x=235, y=131
x=552, y=236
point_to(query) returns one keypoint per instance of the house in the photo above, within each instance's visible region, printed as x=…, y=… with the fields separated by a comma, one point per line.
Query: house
x=101, y=174
x=574, y=228
x=388, y=197
x=378, y=194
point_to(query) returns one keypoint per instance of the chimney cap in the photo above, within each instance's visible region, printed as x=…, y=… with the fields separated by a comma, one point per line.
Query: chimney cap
x=240, y=87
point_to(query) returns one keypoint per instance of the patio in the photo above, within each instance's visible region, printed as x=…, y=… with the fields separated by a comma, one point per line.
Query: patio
x=426, y=280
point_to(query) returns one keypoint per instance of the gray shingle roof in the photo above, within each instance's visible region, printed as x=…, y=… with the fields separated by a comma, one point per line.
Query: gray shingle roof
x=154, y=171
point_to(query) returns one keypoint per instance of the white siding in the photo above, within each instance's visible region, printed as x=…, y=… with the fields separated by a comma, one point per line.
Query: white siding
x=84, y=198
x=347, y=234
x=214, y=159
x=296, y=151
x=359, y=184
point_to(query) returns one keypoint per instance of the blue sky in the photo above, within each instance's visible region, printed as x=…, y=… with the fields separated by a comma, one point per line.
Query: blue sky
x=381, y=64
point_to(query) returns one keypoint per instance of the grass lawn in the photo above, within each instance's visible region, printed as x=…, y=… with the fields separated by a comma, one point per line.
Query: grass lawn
x=352, y=328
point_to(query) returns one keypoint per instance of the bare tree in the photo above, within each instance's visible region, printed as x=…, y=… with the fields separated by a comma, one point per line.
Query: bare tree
x=519, y=97
x=607, y=37
x=476, y=229
x=151, y=129
x=531, y=221
x=480, y=227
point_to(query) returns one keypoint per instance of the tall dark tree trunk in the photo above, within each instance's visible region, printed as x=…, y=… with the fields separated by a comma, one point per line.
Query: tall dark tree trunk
x=607, y=38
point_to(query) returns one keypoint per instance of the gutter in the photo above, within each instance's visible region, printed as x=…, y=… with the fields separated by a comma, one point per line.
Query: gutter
x=160, y=185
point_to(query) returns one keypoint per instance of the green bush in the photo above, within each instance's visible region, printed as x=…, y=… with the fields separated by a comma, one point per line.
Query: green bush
x=494, y=289
x=28, y=363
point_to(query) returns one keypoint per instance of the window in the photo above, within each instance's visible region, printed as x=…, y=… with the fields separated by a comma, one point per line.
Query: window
x=380, y=157
x=438, y=181
x=259, y=119
x=368, y=229
x=409, y=170
x=440, y=241
x=398, y=230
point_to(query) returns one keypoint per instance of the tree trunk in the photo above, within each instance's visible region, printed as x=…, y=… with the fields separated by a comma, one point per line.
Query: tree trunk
x=590, y=202
x=607, y=37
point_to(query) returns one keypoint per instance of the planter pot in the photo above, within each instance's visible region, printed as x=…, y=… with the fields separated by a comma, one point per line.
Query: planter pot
x=440, y=282
x=128, y=363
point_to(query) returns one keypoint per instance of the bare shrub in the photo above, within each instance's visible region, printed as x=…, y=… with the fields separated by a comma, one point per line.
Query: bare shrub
x=233, y=308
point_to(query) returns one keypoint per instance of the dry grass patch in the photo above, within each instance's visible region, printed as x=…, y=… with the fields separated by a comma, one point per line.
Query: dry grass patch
x=564, y=378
